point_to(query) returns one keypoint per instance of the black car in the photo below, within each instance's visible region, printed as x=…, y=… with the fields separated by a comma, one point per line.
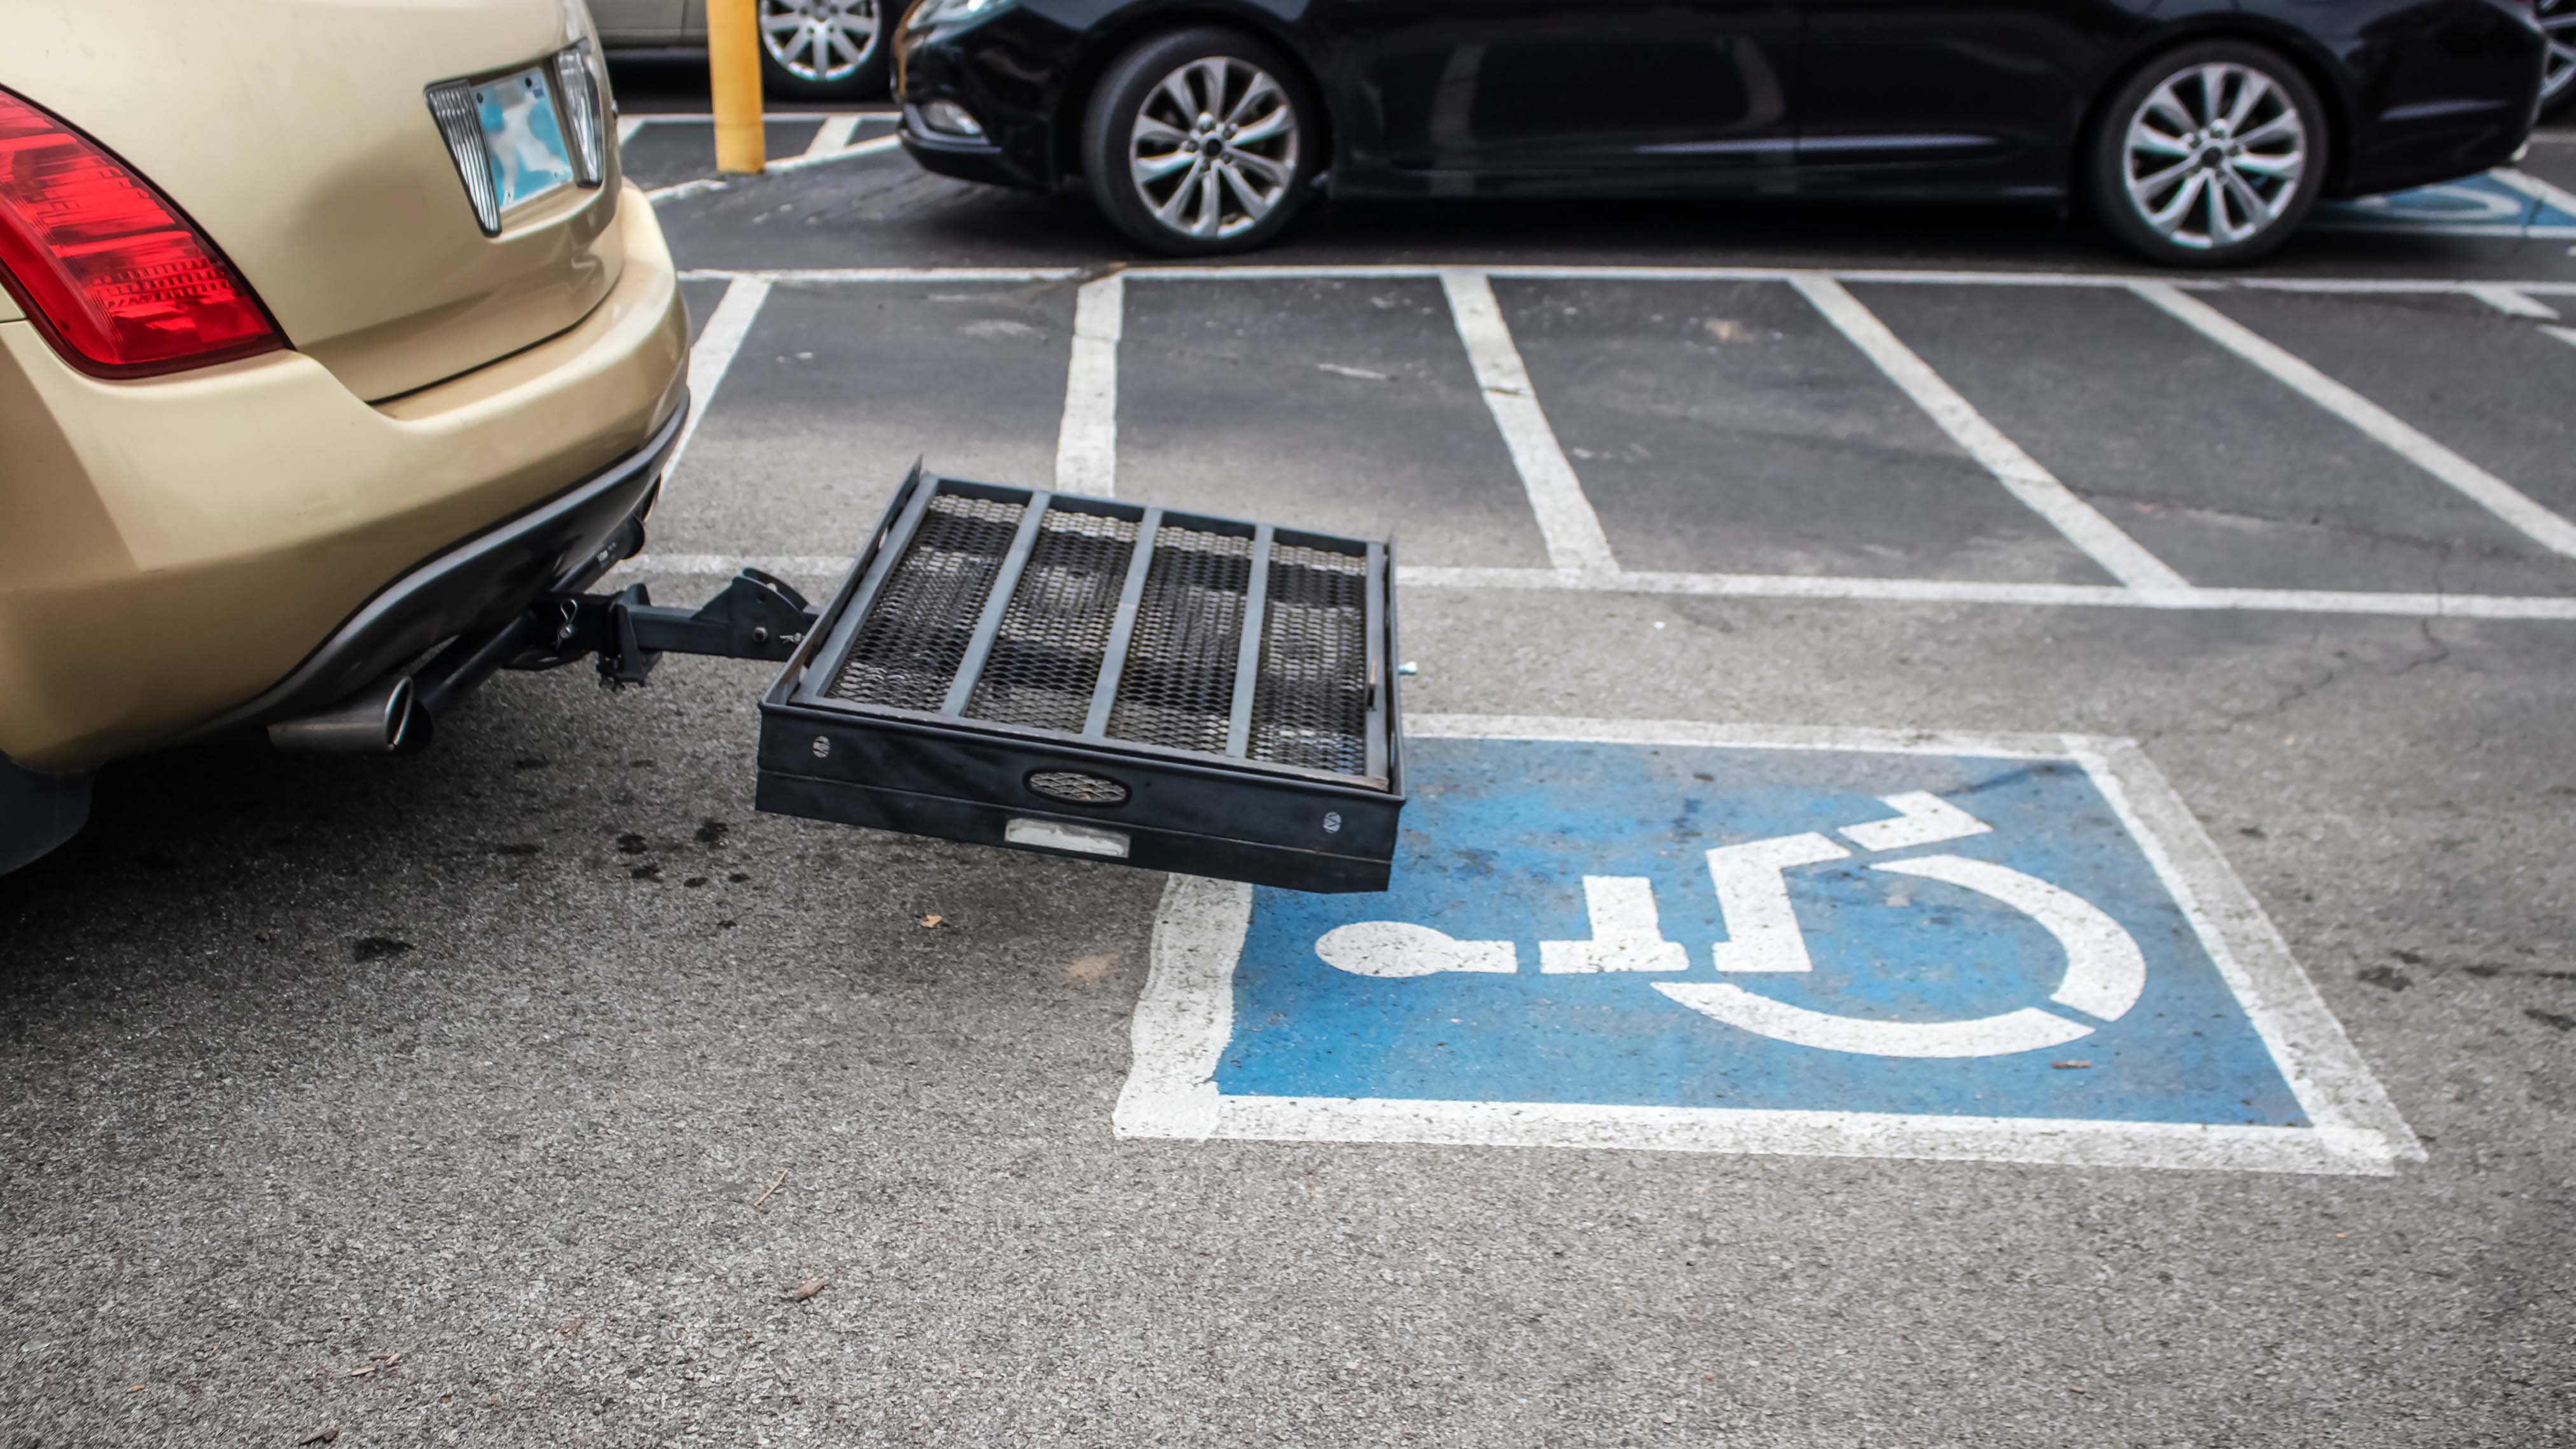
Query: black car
x=2200, y=131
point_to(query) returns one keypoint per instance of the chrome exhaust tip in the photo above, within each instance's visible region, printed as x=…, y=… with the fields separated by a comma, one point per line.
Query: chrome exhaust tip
x=378, y=720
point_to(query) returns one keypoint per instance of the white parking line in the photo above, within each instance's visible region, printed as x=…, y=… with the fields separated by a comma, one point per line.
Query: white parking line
x=627, y=126
x=713, y=356
x=2532, y=186
x=1565, y=517
x=1965, y=591
x=2563, y=334
x=831, y=138
x=2481, y=487
x=871, y=147
x=2035, y=486
x=865, y=113
x=2503, y=607
x=1193, y=273
x=849, y=276
x=2511, y=302
x=1086, y=445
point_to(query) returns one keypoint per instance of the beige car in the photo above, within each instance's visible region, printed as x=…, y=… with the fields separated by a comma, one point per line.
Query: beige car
x=330, y=337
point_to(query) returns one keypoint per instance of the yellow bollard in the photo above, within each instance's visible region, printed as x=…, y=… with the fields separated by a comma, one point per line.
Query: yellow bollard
x=733, y=76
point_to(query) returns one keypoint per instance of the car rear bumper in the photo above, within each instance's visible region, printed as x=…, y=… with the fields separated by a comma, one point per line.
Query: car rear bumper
x=172, y=551
x=563, y=544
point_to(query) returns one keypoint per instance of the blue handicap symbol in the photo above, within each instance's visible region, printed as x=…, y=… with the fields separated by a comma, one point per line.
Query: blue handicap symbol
x=2501, y=203
x=1815, y=929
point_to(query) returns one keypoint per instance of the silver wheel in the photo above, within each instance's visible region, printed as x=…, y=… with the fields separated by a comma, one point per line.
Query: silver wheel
x=2214, y=156
x=2558, y=22
x=820, y=41
x=1214, y=147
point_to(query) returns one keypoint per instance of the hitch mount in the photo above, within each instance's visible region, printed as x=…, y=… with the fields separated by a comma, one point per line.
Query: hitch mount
x=756, y=616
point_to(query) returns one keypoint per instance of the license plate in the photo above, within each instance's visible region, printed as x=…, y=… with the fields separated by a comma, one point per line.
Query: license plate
x=523, y=136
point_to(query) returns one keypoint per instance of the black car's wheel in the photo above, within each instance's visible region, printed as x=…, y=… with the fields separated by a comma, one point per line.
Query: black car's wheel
x=823, y=50
x=2558, y=77
x=1201, y=141
x=2209, y=156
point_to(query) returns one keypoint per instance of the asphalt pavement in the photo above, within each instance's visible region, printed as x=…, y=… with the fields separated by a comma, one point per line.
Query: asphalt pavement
x=525, y=1090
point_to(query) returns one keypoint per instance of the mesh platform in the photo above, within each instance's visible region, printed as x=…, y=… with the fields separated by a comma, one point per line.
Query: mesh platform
x=1090, y=677
x=1126, y=624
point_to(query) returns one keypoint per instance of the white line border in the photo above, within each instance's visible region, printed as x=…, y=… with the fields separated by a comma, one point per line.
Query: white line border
x=873, y=146
x=1185, y=1016
x=711, y=357
x=2515, y=508
x=1575, y=542
x=1086, y=445
x=2529, y=608
x=2021, y=475
x=1433, y=271
x=704, y=118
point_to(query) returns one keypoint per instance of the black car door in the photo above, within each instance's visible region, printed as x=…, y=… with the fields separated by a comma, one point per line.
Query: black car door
x=1567, y=91
x=1926, y=94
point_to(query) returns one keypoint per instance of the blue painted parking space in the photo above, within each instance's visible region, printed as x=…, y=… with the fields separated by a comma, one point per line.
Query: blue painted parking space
x=2499, y=203
x=1695, y=937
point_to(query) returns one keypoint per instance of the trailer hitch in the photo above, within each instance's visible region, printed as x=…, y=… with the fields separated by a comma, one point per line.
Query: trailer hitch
x=756, y=616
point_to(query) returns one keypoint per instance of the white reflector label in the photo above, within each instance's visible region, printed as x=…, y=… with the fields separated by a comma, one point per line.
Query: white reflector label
x=1056, y=835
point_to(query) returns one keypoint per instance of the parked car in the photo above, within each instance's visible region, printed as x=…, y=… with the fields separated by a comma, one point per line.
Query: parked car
x=813, y=50
x=2199, y=131
x=329, y=335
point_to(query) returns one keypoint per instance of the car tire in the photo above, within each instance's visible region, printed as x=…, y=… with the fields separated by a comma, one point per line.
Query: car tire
x=2558, y=73
x=2209, y=155
x=825, y=50
x=1147, y=158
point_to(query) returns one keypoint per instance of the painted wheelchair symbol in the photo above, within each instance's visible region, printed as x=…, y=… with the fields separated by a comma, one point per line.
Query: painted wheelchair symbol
x=2105, y=972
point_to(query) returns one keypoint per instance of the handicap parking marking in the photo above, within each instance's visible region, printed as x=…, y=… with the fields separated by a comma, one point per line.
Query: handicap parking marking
x=2503, y=203
x=1716, y=938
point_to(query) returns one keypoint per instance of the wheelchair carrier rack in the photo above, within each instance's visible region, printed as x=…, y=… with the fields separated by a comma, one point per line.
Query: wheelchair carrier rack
x=1079, y=676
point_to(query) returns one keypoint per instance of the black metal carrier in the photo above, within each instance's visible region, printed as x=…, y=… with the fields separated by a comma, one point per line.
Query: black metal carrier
x=1080, y=676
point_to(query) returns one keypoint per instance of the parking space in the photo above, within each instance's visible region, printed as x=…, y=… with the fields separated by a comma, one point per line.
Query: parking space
x=1985, y=864
x=2488, y=380
x=830, y=393
x=2211, y=464
x=2009, y=438
x=1686, y=406
x=1346, y=400
x=2119, y=1007
x=675, y=154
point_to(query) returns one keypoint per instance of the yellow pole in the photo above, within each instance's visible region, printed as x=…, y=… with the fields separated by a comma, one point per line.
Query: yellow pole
x=733, y=76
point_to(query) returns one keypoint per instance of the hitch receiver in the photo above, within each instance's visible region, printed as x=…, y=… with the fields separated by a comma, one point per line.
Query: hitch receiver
x=757, y=616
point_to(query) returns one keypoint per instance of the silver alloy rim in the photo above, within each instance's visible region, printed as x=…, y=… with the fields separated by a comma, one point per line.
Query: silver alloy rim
x=1214, y=147
x=2214, y=155
x=2558, y=22
x=819, y=40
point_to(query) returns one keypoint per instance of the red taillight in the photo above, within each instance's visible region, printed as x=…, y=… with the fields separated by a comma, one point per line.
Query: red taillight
x=123, y=284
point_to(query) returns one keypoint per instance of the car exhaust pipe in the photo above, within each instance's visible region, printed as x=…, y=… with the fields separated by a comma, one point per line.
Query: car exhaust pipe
x=381, y=719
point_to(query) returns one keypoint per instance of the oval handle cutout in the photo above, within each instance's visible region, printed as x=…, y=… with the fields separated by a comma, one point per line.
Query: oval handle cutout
x=1075, y=787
